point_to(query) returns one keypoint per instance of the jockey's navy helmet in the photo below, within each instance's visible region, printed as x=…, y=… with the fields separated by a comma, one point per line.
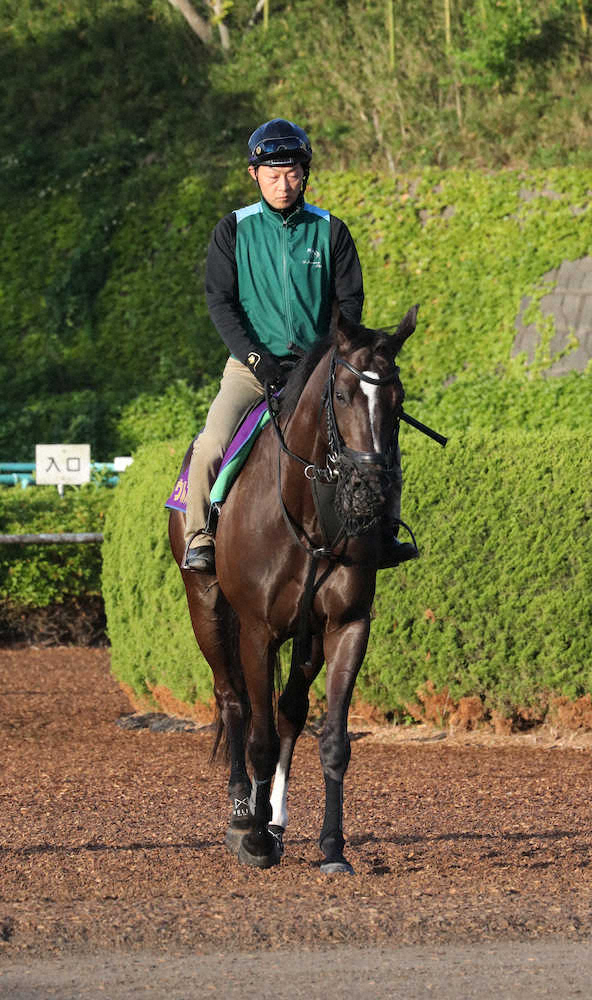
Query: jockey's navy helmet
x=279, y=143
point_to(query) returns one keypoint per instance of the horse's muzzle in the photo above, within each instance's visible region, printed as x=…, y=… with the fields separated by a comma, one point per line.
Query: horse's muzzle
x=361, y=495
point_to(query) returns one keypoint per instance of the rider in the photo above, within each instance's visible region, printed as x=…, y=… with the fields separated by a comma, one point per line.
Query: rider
x=273, y=271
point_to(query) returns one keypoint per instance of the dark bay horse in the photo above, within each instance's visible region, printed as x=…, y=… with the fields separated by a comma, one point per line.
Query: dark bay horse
x=279, y=574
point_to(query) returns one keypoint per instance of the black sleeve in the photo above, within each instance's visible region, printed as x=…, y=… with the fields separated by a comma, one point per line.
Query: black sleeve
x=348, y=286
x=222, y=288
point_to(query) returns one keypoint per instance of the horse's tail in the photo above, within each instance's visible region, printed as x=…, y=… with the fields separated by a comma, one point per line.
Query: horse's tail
x=220, y=732
x=239, y=687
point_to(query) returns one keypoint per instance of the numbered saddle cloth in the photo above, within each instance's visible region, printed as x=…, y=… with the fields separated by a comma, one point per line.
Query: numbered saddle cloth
x=233, y=461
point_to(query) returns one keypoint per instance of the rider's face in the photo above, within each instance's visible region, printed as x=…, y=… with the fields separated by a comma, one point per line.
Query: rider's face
x=280, y=186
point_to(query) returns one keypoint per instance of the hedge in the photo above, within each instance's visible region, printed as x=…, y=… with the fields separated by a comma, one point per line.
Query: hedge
x=52, y=593
x=469, y=246
x=110, y=312
x=498, y=605
x=148, y=623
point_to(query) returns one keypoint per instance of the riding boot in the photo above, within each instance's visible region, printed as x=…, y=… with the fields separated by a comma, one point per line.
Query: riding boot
x=392, y=551
x=200, y=556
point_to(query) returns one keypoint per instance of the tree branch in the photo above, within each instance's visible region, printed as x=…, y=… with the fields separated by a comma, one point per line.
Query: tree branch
x=256, y=12
x=196, y=22
x=218, y=11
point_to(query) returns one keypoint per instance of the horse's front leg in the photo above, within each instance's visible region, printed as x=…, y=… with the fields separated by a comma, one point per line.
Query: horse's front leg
x=345, y=648
x=292, y=713
x=259, y=847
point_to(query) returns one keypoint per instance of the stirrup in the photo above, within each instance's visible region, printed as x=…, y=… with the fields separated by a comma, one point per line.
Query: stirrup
x=394, y=552
x=397, y=520
x=201, y=559
x=212, y=521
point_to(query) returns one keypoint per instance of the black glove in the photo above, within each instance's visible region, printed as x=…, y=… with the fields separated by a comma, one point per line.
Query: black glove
x=266, y=368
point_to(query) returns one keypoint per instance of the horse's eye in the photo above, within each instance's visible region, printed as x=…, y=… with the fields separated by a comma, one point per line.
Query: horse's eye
x=339, y=396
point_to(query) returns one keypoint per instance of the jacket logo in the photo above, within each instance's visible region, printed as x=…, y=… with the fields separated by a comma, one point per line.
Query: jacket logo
x=314, y=258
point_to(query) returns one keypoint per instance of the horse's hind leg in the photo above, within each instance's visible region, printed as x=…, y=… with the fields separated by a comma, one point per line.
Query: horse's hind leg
x=292, y=713
x=216, y=632
x=345, y=649
x=234, y=713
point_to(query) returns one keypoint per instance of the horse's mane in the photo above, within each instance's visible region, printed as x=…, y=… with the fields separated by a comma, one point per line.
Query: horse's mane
x=300, y=375
x=363, y=337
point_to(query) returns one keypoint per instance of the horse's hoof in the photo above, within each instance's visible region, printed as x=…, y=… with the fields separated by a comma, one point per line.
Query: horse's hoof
x=233, y=839
x=340, y=866
x=260, y=850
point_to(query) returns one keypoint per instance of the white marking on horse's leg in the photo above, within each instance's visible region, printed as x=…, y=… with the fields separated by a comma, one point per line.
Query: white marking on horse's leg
x=279, y=796
x=371, y=394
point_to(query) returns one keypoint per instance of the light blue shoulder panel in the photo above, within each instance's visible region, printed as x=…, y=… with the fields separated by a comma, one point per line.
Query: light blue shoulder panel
x=244, y=213
x=315, y=210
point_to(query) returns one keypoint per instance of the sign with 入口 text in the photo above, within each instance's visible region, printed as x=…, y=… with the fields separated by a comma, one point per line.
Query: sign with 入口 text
x=62, y=464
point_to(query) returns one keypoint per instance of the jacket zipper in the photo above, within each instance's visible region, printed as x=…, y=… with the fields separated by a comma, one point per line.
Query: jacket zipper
x=285, y=273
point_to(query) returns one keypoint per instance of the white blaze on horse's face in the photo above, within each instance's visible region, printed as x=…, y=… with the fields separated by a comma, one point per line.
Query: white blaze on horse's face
x=371, y=393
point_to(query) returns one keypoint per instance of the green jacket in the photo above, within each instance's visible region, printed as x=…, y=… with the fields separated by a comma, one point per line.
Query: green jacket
x=271, y=277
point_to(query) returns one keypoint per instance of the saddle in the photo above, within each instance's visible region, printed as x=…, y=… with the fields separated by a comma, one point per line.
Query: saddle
x=234, y=458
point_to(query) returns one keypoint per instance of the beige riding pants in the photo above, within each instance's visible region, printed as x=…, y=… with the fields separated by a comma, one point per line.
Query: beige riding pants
x=239, y=391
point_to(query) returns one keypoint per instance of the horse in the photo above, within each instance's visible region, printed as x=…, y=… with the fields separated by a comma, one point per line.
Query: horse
x=284, y=570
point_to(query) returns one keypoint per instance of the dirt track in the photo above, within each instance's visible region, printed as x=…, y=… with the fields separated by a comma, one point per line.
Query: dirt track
x=112, y=839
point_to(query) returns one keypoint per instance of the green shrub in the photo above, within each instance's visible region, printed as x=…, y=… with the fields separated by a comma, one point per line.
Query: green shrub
x=468, y=247
x=152, y=641
x=497, y=606
x=180, y=411
x=465, y=245
x=111, y=179
x=51, y=594
x=39, y=576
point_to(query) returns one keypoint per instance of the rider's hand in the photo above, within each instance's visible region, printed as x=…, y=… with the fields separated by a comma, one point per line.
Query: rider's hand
x=266, y=368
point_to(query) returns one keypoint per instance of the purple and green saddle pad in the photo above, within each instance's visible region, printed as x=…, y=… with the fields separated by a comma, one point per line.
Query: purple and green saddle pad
x=235, y=457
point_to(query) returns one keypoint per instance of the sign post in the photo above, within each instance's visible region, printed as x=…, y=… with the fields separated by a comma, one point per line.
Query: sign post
x=62, y=465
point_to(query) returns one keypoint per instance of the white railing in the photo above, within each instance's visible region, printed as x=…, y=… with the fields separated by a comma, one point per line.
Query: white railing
x=23, y=473
x=64, y=538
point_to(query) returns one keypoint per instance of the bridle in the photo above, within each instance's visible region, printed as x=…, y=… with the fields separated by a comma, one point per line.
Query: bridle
x=341, y=459
x=337, y=447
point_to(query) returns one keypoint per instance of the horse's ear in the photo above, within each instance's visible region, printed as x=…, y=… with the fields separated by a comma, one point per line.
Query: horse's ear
x=405, y=329
x=343, y=331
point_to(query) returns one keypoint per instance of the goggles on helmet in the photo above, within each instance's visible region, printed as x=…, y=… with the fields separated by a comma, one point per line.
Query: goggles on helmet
x=283, y=144
x=279, y=150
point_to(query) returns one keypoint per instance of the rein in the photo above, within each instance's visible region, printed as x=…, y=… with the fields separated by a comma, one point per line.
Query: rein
x=312, y=472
